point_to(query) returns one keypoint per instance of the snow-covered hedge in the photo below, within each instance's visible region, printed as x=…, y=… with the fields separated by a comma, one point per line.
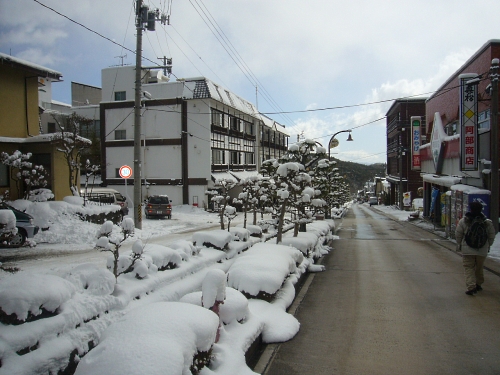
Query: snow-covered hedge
x=167, y=334
x=24, y=297
x=185, y=246
x=239, y=233
x=262, y=269
x=213, y=238
x=234, y=308
x=163, y=257
x=91, y=279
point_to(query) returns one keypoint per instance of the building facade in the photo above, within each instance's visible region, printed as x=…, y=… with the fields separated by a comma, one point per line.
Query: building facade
x=448, y=187
x=400, y=174
x=193, y=132
x=23, y=86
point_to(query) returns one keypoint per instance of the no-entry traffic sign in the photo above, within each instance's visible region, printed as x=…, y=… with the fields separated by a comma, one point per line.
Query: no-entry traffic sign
x=125, y=171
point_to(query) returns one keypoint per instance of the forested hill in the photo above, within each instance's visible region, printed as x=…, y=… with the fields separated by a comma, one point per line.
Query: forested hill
x=358, y=174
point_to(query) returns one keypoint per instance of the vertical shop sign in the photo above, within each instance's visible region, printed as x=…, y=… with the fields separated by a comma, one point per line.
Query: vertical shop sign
x=415, y=142
x=468, y=122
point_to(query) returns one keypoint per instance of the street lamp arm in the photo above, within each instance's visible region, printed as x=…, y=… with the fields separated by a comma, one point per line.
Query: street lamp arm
x=333, y=137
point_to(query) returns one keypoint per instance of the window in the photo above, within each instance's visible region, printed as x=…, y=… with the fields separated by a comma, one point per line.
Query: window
x=120, y=95
x=248, y=128
x=235, y=157
x=234, y=123
x=234, y=143
x=117, y=173
x=51, y=127
x=218, y=140
x=249, y=158
x=217, y=156
x=451, y=128
x=248, y=146
x=483, y=119
x=217, y=118
x=120, y=134
x=4, y=175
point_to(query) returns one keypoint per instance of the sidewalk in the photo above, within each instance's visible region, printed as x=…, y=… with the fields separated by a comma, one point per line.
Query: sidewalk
x=491, y=264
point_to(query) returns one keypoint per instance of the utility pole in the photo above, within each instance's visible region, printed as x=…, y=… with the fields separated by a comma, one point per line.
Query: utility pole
x=494, y=75
x=143, y=17
x=139, y=23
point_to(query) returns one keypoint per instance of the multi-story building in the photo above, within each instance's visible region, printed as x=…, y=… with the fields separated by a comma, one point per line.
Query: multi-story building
x=193, y=132
x=448, y=182
x=400, y=175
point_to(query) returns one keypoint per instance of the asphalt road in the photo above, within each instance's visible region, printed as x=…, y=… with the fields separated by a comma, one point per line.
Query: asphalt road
x=392, y=301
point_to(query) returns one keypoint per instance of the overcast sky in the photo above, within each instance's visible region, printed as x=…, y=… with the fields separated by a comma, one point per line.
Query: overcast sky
x=304, y=55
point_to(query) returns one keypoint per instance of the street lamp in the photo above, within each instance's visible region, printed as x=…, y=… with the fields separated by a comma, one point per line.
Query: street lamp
x=334, y=143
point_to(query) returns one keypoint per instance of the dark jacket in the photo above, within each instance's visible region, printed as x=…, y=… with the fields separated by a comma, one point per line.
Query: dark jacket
x=463, y=226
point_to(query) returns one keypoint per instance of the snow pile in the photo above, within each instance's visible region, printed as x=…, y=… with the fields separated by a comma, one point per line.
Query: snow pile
x=160, y=338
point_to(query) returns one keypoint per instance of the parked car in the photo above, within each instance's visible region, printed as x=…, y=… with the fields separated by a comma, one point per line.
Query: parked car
x=158, y=206
x=107, y=196
x=372, y=201
x=25, y=227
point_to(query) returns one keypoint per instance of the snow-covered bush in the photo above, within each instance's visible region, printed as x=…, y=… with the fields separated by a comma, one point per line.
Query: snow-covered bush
x=171, y=336
x=186, y=247
x=254, y=230
x=24, y=297
x=107, y=241
x=234, y=308
x=93, y=280
x=7, y=226
x=240, y=234
x=218, y=239
x=262, y=269
x=41, y=195
x=162, y=257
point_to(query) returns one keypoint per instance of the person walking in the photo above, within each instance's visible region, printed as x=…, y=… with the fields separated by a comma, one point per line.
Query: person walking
x=474, y=252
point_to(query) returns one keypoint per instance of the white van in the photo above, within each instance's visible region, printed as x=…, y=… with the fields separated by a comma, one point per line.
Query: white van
x=106, y=196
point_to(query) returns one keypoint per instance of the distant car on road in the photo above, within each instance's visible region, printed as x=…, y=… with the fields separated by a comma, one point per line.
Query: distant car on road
x=372, y=201
x=158, y=206
x=25, y=227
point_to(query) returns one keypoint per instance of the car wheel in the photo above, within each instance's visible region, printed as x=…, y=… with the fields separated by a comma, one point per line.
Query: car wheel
x=18, y=239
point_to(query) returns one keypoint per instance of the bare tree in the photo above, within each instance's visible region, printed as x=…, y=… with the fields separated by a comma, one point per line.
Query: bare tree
x=72, y=145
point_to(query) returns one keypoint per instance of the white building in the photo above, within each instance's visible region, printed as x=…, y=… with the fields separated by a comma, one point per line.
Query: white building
x=193, y=131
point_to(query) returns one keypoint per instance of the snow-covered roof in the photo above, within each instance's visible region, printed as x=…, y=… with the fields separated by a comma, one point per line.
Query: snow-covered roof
x=223, y=176
x=39, y=70
x=469, y=189
x=447, y=181
x=204, y=88
x=244, y=174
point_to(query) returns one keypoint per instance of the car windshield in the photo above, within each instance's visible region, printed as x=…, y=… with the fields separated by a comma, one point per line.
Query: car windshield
x=159, y=200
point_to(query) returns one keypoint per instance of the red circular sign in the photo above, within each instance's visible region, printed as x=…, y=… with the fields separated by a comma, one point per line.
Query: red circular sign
x=125, y=171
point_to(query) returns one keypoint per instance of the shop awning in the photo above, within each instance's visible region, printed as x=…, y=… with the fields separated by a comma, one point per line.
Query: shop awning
x=447, y=181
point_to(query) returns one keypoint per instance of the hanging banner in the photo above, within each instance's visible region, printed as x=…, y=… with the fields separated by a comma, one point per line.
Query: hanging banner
x=468, y=123
x=415, y=142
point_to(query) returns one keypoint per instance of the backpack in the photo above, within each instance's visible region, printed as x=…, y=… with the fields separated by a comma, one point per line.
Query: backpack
x=476, y=236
